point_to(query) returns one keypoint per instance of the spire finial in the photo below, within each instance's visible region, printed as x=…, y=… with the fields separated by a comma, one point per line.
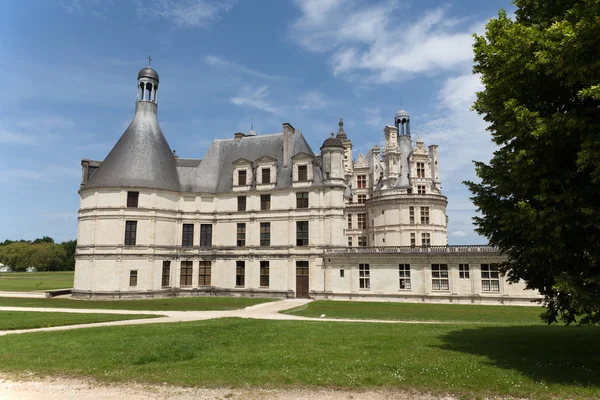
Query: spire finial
x=149, y=60
x=251, y=124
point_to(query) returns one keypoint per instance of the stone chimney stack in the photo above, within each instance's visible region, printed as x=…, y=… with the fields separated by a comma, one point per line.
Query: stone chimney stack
x=288, y=132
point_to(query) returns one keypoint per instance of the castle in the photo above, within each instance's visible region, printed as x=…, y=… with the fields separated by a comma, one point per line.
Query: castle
x=262, y=215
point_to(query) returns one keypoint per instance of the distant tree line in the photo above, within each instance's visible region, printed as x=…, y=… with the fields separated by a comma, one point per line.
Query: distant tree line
x=44, y=254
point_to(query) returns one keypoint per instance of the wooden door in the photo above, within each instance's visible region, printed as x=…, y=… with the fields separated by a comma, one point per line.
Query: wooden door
x=302, y=279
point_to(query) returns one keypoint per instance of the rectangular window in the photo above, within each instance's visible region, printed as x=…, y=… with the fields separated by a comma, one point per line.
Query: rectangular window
x=361, y=181
x=204, y=273
x=302, y=200
x=301, y=233
x=362, y=221
x=341, y=273
x=240, y=273
x=264, y=274
x=302, y=173
x=132, y=199
x=349, y=241
x=404, y=276
x=185, y=275
x=364, y=276
x=241, y=235
x=166, y=273
x=241, y=203
x=242, y=177
x=266, y=175
x=420, y=170
x=362, y=198
x=421, y=189
x=425, y=215
x=265, y=201
x=413, y=239
x=130, y=232
x=265, y=233
x=439, y=277
x=349, y=221
x=490, y=278
x=411, y=214
x=463, y=271
x=133, y=278
x=205, y=235
x=187, y=238
x=362, y=241
x=425, y=239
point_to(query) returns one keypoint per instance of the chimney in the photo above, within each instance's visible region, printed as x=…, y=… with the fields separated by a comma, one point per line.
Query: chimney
x=288, y=131
x=433, y=160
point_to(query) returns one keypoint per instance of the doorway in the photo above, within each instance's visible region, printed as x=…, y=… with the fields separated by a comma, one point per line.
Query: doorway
x=302, y=279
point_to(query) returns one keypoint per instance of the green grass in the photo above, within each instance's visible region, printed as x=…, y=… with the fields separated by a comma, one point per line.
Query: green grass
x=32, y=281
x=10, y=320
x=474, y=360
x=172, y=304
x=420, y=312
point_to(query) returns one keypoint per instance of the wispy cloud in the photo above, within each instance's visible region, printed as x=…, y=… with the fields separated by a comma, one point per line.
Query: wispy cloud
x=16, y=137
x=366, y=38
x=314, y=100
x=254, y=98
x=186, y=13
x=459, y=233
x=223, y=64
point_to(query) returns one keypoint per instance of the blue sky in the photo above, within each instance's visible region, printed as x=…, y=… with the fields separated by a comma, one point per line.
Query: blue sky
x=69, y=71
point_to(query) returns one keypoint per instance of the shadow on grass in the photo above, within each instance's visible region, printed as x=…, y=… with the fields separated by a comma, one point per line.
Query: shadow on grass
x=554, y=354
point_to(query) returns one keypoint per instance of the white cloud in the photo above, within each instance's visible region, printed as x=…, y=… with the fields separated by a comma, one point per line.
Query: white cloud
x=254, y=98
x=378, y=39
x=185, y=13
x=313, y=100
x=220, y=63
x=15, y=137
x=459, y=233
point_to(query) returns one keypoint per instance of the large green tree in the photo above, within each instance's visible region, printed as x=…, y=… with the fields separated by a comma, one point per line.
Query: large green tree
x=539, y=197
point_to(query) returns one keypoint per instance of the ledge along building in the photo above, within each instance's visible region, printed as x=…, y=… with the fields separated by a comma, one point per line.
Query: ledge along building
x=262, y=215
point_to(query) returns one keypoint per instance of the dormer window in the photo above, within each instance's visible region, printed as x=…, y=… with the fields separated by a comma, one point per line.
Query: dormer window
x=302, y=173
x=242, y=177
x=266, y=175
x=420, y=170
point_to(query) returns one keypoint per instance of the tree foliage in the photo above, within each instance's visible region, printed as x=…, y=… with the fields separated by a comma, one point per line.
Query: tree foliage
x=42, y=253
x=539, y=197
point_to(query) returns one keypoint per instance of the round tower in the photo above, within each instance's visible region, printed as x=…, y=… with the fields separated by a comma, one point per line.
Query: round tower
x=332, y=152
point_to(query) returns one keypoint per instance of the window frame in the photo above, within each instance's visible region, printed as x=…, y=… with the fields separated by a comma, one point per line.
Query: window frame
x=241, y=234
x=361, y=198
x=240, y=273
x=206, y=235
x=421, y=189
x=265, y=172
x=463, y=271
x=349, y=218
x=420, y=170
x=166, y=274
x=490, y=275
x=364, y=277
x=133, y=199
x=362, y=224
x=133, y=278
x=302, y=233
x=204, y=273
x=265, y=233
x=411, y=215
x=241, y=203
x=361, y=181
x=244, y=173
x=186, y=273
x=404, y=277
x=302, y=173
x=424, y=215
x=130, y=233
x=187, y=235
x=425, y=239
x=265, y=202
x=264, y=274
x=362, y=241
x=301, y=199
x=440, y=278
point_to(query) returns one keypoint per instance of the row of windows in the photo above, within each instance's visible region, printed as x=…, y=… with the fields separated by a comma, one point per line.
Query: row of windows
x=265, y=175
x=490, y=276
x=206, y=234
x=265, y=201
x=205, y=272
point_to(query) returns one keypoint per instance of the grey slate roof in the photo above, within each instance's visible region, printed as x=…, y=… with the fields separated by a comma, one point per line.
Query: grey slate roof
x=214, y=173
x=141, y=158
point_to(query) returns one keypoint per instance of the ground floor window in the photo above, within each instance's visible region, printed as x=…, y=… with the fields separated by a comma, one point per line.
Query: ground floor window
x=133, y=278
x=404, y=276
x=166, y=273
x=490, y=278
x=204, y=273
x=439, y=277
x=264, y=274
x=185, y=277
x=364, y=276
x=240, y=273
x=463, y=271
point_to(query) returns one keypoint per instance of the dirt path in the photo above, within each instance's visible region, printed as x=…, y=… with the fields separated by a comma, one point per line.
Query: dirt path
x=65, y=389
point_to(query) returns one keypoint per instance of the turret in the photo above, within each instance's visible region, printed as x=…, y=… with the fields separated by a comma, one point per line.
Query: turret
x=332, y=152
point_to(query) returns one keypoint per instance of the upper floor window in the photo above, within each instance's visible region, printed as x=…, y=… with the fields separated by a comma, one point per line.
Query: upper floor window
x=413, y=239
x=205, y=235
x=132, y=199
x=266, y=175
x=411, y=214
x=362, y=241
x=241, y=203
x=439, y=277
x=187, y=237
x=490, y=278
x=302, y=200
x=130, y=233
x=265, y=201
x=463, y=271
x=241, y=235
x=302, y=173
x=425, y=239
x=361, y=181
x=349, y=241
x=301, y=233
x=265, y=233
x=420, y=170
x=420, y=189
x=424, y=215
x=362, y=198
x=362, y=221
x=242, y=177
x=349, y=221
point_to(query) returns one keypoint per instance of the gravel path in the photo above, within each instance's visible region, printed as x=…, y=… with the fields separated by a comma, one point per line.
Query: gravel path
x=65, y=389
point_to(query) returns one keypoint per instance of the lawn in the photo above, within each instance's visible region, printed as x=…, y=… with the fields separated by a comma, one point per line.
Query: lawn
x=10, y=320
x=32, y=281
x=171, y=304
x=474, y=360
x=420, y=312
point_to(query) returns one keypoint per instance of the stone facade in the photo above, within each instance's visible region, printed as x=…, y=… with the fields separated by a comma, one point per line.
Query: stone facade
x=262, y=215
